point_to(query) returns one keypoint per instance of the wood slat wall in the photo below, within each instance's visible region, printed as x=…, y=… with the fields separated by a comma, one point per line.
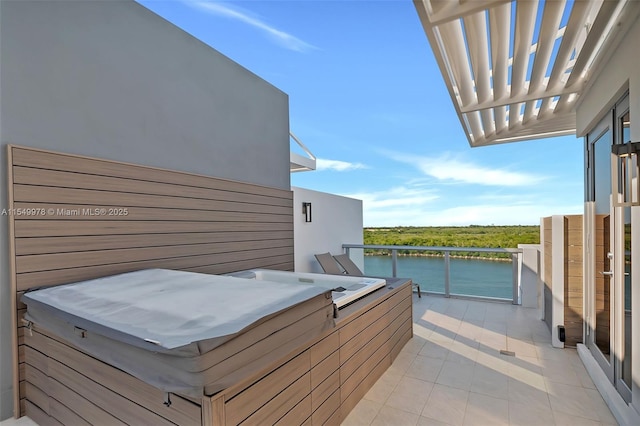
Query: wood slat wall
x=573, y=284
x=572, y=267
x=75, y=218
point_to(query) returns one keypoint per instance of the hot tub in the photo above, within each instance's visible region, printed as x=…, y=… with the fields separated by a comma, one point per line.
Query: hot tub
x=182, y=332
x=345, y=289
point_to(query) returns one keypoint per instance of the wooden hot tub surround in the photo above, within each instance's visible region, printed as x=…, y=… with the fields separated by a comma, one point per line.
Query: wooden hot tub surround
x=315, y=383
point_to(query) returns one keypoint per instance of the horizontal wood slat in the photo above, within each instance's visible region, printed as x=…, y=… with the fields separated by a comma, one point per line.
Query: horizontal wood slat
x=242, y=406
x=64, y=228
x=324, y=347
x=127, y=411
x=65, y=196
x=324, y=390
x=93, y=212
x=215, y=264
x=322, y=371
x=84, y=408
x=47, y=262
x=63, y=276
x=41, y=159
x=298, y=415
x=34, y=177
x=47, y=245
x=280, y=404
x=181, y=411
x=37, y=415
x=281, y=263
x=330, y=407
x=65, y=415
x=37, y=396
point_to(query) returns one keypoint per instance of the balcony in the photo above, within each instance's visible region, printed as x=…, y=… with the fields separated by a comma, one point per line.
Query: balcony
x=474, y=362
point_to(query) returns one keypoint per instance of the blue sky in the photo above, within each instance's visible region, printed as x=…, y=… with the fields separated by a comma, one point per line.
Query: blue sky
x=367, y=98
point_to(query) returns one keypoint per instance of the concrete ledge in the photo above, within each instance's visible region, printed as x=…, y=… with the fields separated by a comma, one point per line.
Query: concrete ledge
x=623, y=412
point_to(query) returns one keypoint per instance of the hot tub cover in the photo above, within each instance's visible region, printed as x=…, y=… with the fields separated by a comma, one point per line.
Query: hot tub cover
x=182, y=332
x=164, y=310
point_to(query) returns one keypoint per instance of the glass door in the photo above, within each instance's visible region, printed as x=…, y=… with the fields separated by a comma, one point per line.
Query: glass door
x=601, y=324
x=608, y=290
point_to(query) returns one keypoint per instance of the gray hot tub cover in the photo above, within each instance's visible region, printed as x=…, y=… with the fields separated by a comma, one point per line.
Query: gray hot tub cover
x=166, y=311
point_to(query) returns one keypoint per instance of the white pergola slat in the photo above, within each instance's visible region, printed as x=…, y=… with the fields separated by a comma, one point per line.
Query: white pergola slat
x=548, y=31
x=479, y=53
x=577, y=21
x=499, y=27
x=515, y=69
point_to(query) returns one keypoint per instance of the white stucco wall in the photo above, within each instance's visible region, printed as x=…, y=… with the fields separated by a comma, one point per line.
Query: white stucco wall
x=111, y=79
x=336, y=220
x=619, y=74
x=530, y=280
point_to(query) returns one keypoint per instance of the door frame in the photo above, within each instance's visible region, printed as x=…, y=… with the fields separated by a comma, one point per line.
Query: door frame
x=621, y=108
x=611, y=367
x=595, y=135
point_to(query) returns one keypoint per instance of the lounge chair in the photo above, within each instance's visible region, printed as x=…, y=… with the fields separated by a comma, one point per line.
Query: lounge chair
x=352, y=269
x=329, y=264
x=347, y=264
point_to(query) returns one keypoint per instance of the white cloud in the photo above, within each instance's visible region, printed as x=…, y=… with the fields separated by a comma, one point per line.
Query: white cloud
x=446, y=167
x=402, y=205
x=337, y=165
x=284, y=39
x=414, y=204
x=402, y=197
x=482, y=214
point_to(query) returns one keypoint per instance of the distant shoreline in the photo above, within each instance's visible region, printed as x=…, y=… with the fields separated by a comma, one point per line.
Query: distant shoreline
x=451, y=237
x=452, y=256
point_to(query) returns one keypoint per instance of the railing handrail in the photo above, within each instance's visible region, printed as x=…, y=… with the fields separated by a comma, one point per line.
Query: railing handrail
x=516, y=259
x=433, y=248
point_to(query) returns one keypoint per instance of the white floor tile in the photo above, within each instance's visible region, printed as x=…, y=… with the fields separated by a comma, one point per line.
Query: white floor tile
x=452, y=373
x=446, y=405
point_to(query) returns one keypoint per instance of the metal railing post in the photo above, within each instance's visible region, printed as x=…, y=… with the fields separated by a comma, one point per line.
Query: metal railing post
x=514, y=269
x=394, y=262
x=447, y=271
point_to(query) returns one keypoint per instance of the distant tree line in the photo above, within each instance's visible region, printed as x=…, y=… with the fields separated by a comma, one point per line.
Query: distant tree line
x=452, y=236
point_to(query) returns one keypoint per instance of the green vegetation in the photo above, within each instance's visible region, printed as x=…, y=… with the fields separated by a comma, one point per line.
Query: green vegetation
x=452, y=236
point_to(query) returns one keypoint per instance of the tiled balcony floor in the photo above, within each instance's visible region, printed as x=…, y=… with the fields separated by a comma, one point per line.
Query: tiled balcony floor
x=452, y=372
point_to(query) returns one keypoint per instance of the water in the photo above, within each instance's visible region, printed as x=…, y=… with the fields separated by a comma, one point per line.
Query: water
x=467, y=276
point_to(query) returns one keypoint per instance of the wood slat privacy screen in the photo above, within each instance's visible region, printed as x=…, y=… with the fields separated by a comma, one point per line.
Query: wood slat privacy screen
x=74, y=218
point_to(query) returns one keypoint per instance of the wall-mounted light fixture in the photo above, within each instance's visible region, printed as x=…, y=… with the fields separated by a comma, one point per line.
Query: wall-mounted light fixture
x=306, y=211
x=625, y=189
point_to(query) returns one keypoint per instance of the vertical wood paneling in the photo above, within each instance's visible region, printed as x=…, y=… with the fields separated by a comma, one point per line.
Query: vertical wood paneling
x=572, y=265
x=573, y=288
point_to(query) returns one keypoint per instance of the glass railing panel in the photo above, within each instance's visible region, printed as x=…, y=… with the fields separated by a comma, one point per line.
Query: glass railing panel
x=426, y=271
x=427, y=266
x=486, y=278
x=377, y=266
